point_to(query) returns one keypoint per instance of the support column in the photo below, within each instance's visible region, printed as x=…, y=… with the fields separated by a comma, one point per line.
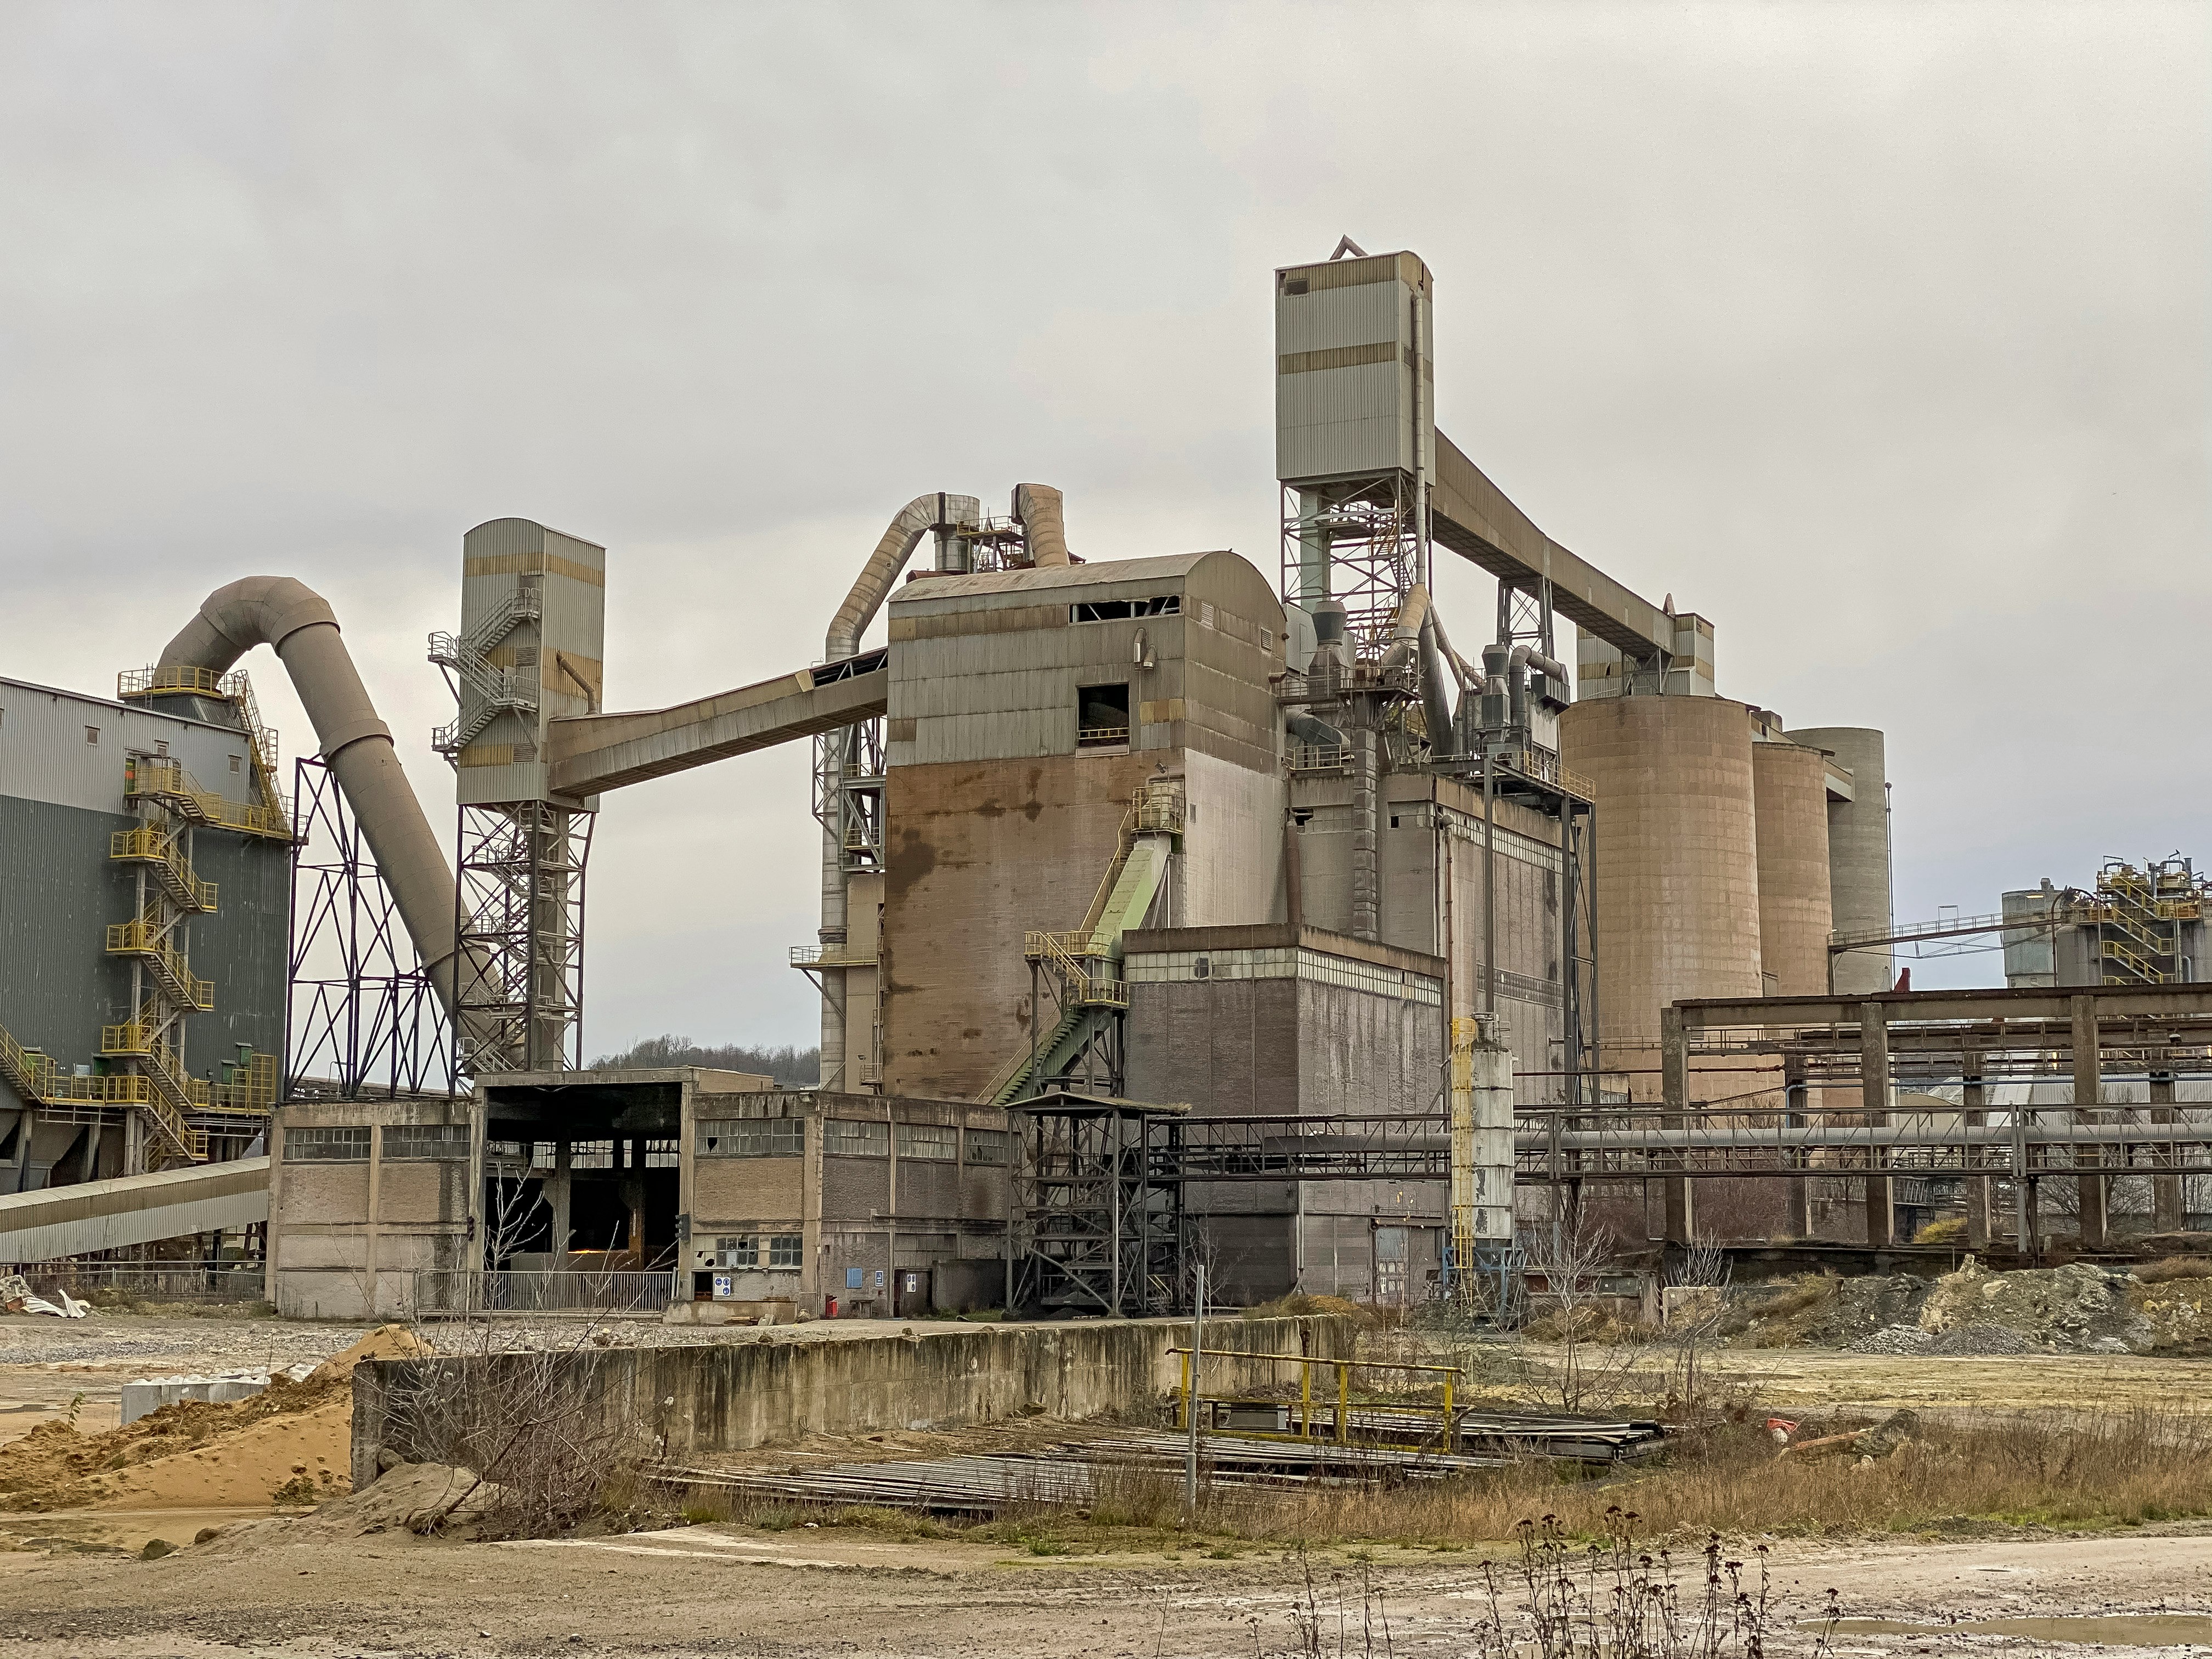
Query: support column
x=2088, y=1092
x=2167, y=1215
x=558, y=1190
x=1793, y=1101
x=1874, y=1096
x=1674, y=1085
x=1978, y=1186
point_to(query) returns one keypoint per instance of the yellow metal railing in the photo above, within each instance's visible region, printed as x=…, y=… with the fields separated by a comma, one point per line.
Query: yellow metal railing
x=142, y=939
x=1341, y=1416
x=148, y=845
x=248, y=1086
x=171, y=678
x=1092, y=990
x=167, y=781
x=2115, y=952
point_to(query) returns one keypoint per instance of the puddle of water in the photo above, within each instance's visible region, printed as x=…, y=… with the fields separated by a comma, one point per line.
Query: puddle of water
x=2116, y=1629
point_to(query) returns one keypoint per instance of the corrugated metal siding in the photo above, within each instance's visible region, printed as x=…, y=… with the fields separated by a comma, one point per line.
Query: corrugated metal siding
x=45, y=755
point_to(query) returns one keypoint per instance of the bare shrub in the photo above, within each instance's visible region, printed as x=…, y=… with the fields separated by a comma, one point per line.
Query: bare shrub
x=1726, y=1477
x=2175, y=1266
x=542, y=1428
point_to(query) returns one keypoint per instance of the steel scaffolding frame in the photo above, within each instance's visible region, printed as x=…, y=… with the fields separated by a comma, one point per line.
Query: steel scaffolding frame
x=361, y=1010
x=1099, y=1232
x=1357, y=542
x=519, y=906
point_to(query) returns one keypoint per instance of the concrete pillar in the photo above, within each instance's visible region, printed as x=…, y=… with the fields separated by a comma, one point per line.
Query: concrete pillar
x=2166, y=1215
x=1978, y=1186
x=2088, y=1093
x=1874, y=1097
x=1675, y=1088
x=558, y=1193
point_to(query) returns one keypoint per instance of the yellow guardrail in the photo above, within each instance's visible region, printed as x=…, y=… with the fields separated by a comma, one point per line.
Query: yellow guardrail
x=167, y=781
x=139, y=938
x=148, y=845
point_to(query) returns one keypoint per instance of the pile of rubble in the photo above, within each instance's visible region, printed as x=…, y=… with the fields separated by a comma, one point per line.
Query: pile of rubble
x=1974, y=1312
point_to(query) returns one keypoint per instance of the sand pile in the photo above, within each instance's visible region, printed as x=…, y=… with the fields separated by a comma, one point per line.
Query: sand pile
x=287, y=1444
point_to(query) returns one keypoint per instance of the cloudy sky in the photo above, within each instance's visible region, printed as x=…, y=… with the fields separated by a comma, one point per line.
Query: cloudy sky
x=1877, y=334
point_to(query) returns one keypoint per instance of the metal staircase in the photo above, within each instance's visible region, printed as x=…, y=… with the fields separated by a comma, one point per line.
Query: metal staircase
x=497, y=689
x=1083, y=965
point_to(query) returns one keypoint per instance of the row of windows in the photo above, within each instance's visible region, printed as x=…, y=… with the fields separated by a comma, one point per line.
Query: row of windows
x=786, y=1137
x=403, y=1142
x=784, y=1250
x=1167, y=604
x=646, y=1152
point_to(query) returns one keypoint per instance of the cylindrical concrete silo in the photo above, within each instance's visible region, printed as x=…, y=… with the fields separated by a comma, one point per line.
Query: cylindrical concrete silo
x=1677, y=861
x=1790, y=788
x=1858, y=854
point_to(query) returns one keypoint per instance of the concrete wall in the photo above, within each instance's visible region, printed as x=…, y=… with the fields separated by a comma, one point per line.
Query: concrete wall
x=346, y=1238
x=732, y=1396
x=1432, y=856
x=1282, y=1022
x=875, y=1213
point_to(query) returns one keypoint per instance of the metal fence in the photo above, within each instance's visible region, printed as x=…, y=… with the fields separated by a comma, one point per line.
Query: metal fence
x=160, y=1281
x=540, y=1291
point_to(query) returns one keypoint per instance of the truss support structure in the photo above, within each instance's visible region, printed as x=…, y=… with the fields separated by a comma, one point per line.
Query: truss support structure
x=519, y=890
x=1356, y=541
x=362, y=1014
x=1098, y=1230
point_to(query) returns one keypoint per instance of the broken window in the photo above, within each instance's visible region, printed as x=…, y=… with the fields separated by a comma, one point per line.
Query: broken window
x=742, y=1251
x=773, y=1137
x=844, y=1137
x=1102, y=716
x=346, y=1145
x=1091, y=611
x=413, y=1142
x=928, y=1140
x=987, y=1145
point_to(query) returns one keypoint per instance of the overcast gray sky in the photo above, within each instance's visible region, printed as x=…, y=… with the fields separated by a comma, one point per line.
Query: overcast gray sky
x=1876, y=333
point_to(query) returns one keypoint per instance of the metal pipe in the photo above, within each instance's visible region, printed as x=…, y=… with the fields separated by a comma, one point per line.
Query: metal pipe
x=1435, y=699
x=299, y=624
x=1039, y=509
x=1405, y=628
x=937, y=511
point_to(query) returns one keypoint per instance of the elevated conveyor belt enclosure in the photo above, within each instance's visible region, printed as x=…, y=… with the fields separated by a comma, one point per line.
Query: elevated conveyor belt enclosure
x=111, y=1215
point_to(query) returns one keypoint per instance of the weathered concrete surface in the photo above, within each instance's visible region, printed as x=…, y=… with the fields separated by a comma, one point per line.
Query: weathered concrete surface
x=108, y=1215
x=725, y=1397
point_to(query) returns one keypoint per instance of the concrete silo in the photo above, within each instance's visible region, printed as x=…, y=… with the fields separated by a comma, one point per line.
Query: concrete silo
x=1790, y=786
x=1678, y=912
x=1859, y=852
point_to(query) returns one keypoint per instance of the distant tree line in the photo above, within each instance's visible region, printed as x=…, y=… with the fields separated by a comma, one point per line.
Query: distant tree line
x=790, y=1066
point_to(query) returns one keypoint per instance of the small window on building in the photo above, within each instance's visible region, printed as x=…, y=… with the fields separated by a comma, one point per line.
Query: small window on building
x=928, y=1140
x=1102, y=716
x=591, y=1155
x=743, y=1251
x=92, y=734
x=412, y=1142
x=844, y=1137
x=987, y=1145
x=786, y=1250
x=663, y=1155
x=346, y=1145
x=233, y=759
x=543, y=1155
x=161, y=750
x=856, y=1279
x=758, y=1137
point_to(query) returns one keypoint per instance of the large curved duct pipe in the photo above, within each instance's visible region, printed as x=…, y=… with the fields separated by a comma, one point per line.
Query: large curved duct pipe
x=1436, y=696
x=1043, y=524
x=918, y=518
x=1405, y=628
x=295, y=621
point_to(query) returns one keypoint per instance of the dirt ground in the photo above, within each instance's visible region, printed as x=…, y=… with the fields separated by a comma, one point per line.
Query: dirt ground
x=797, y=1594
x=72, y=1583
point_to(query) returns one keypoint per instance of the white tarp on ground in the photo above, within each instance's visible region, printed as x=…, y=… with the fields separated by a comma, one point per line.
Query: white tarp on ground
x=17, y=1297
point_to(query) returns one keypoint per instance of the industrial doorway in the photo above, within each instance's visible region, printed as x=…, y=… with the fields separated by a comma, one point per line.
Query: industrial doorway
x=913, y=1301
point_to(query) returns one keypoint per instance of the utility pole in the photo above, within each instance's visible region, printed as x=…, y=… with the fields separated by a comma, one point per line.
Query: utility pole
x=1190, y=1401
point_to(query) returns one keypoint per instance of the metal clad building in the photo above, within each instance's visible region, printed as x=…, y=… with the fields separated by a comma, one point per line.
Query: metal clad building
x=63, y=761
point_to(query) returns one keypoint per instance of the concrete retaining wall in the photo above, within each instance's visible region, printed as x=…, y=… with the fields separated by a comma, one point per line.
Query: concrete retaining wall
x=731, y=1396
